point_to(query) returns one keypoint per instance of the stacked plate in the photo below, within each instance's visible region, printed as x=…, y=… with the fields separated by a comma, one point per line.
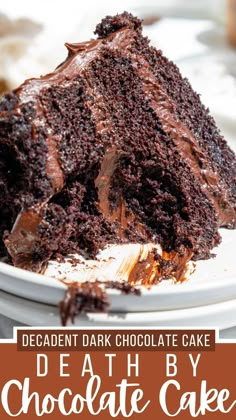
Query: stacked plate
x=208, y=299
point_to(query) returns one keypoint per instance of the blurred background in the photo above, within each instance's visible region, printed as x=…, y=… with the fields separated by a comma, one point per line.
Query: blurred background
x=199, y=35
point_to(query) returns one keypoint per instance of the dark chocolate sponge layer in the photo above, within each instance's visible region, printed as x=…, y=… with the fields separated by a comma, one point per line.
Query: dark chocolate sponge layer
x=112, y=147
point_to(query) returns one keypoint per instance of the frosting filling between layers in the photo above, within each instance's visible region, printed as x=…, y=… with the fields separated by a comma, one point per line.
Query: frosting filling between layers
x=120, y=214
x=79, y=58
x=164, y=108
x=21, y=242
x=185, y=142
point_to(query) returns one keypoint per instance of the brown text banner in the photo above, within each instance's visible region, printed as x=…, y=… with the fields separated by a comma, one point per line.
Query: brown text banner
x=115, y=340
x=122, y=384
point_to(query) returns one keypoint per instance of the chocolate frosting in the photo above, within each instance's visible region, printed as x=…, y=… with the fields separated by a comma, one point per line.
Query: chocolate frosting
x=186, y=143
x=80, y=55
x=21, y=241
x=120, y=214
x=53, y=167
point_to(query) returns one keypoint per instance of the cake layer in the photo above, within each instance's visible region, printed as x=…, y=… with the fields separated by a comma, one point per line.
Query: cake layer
x=112, y=147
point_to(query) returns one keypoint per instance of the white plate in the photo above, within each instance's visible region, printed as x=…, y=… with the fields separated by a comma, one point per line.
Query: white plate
x=221, y=315
x=214, y=281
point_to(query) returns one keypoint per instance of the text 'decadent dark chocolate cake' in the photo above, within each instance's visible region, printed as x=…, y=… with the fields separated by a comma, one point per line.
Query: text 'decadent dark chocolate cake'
x=113, y=147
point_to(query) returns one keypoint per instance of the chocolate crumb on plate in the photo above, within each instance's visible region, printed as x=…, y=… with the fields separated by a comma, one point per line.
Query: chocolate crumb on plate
x=86, y=297
x=90, y=297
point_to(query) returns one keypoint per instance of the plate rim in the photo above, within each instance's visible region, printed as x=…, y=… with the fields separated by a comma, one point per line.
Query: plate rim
x=160, y=289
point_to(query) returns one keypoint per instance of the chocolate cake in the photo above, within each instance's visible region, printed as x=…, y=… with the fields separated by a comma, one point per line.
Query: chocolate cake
x=112, y=147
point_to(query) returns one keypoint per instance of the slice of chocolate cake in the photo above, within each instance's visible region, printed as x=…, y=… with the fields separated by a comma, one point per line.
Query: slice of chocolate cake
x=112, y=147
